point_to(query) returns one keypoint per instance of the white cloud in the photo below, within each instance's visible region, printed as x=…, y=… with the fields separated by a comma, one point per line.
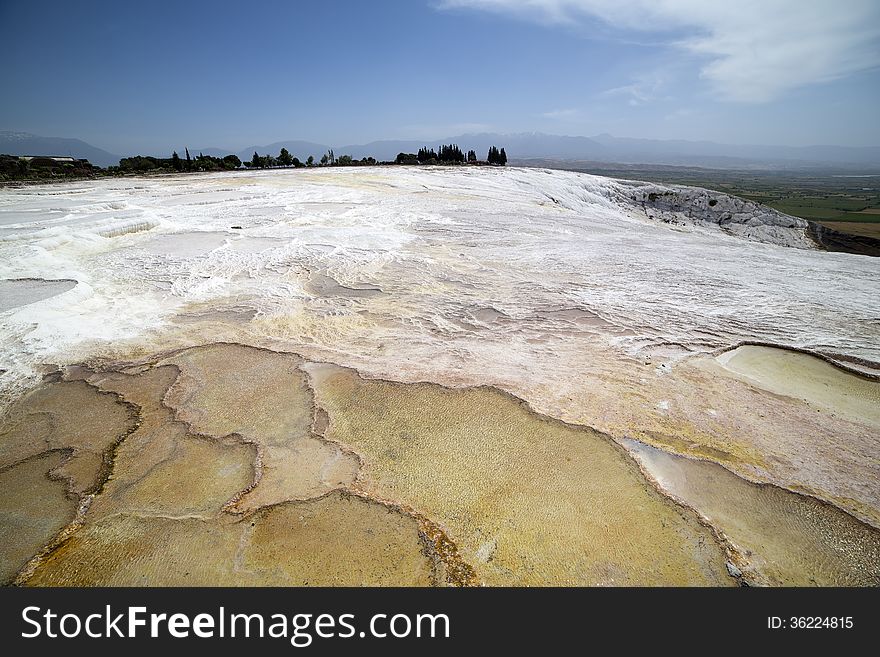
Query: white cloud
x=644, y=90
x=751, y=50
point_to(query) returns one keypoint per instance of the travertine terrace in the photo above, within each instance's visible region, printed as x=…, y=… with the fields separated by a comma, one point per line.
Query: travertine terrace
x=430, y=376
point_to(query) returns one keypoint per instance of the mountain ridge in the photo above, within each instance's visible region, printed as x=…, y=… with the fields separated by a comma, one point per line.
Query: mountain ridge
x=25, y=143
x=520, y=146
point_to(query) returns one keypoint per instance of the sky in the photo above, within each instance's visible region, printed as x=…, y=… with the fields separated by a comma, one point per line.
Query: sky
x=149, y=76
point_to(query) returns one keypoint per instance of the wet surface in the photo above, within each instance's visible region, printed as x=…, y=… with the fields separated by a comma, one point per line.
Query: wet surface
x=24, y=291
x=334, y=541
x=807, y=377
x=263, y=398
x=224, y=481
x=529, y=501
x=185, y=245
x=205, y=500
x=232, y=465
x=234, y=315
x=163, y=468
x=33, y=509
x=782, y=538
x=323, y=285
x=67, y=415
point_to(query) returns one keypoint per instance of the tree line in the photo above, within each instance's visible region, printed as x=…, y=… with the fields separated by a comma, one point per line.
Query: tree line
x=144, y=163
x=496, y=157
x=445, y=154
x=15, y=167
x=451, y=154
x=12, y=168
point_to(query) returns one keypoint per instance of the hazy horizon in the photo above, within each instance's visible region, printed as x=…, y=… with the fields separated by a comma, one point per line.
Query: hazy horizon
x=131, y=79
x=427, y=141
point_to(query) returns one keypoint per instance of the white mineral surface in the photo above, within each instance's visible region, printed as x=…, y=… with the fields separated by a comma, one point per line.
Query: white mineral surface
x=558, y=287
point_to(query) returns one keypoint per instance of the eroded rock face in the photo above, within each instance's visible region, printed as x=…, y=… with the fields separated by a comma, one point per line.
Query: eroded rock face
x=835, y=240
x=693, y=206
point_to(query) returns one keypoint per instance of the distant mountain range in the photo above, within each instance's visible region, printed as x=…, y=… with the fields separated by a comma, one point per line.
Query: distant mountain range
x=601, y=148
x=711, y=154
x=519, y=147
x=24, y=143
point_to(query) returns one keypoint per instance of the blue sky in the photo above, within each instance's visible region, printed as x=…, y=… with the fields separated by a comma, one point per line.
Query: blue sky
x=148, y=77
